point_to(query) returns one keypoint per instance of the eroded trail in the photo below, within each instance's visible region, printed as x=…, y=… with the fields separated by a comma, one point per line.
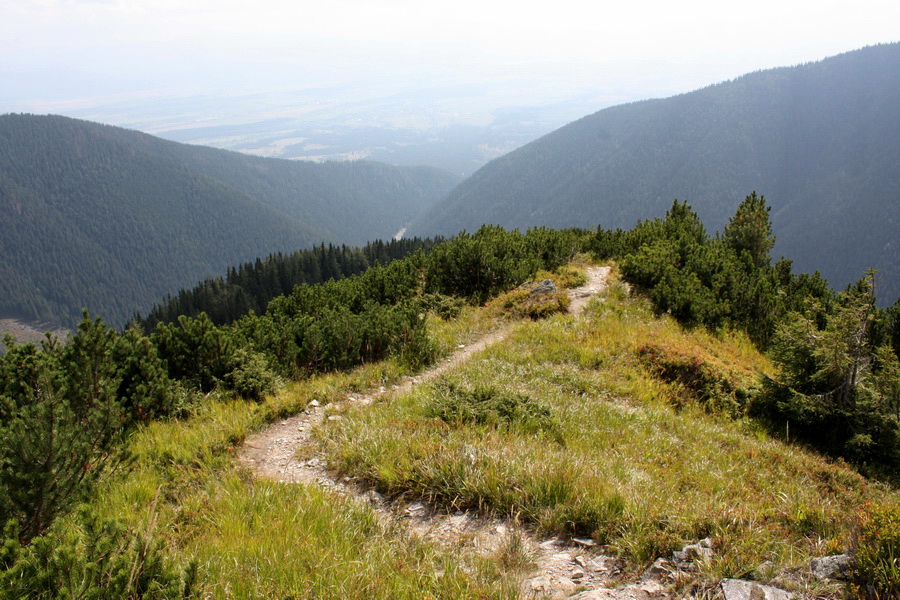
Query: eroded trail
x=285, y=452
x=272, y=453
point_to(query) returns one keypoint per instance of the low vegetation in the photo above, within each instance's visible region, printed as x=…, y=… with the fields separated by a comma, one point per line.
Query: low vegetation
x=650, y=421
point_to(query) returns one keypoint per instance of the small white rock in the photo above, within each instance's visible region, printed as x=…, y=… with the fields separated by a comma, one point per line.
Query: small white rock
x=417, y=509
x=588, y=542
x=737, y=589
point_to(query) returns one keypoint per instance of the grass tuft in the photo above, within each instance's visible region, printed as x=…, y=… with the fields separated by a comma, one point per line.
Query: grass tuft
x=485, y=405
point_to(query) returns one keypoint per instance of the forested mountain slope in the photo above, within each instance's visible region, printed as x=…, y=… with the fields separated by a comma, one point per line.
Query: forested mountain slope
x=821, y=141
x=113, y=220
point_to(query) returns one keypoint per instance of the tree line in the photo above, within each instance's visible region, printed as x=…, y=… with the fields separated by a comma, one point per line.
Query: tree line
x=250, y=286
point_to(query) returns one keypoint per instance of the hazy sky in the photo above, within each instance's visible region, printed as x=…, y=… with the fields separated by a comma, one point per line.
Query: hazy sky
x=64, y=50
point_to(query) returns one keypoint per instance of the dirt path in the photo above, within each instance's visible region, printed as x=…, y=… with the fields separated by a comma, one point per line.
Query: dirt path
x=271, y=453
x=561, y=567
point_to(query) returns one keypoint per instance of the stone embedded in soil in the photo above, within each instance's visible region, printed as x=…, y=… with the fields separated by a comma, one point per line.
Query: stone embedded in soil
x=685, y=558
x=540, y=584
x=738, y=589
x=832, y=567
x=416, y=510
x=659, y=570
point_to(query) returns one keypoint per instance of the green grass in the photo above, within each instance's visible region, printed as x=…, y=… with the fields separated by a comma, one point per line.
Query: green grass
x=267, y=540
x=472, y=324
x=257, y=539
x=636, y=459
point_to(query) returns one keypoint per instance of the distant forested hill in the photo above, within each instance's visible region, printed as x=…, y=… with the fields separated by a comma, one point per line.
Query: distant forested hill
x=113, y=220
x=821, y=141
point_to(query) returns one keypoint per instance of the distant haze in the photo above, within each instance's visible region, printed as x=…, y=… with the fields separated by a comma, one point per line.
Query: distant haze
x=323, y=80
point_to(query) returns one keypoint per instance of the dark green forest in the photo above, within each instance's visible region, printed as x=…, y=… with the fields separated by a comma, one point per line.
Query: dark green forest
x=111, y=220
x=823, y=140
x=251, y=286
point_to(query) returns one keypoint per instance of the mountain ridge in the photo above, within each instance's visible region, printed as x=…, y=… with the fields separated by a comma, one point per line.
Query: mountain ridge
x=810, y=138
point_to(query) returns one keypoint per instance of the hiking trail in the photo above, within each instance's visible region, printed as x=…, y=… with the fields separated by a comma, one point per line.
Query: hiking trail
x=561, y=567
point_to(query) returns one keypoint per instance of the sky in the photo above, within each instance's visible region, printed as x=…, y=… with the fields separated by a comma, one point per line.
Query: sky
x=58, y=54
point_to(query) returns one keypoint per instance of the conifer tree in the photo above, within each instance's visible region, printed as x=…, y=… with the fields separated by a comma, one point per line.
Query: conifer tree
x=833, y=386
x=60, y=424
x=750, y=230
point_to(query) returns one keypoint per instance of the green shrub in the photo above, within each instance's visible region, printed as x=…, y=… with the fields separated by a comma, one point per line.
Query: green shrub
x=835, y=389
x=717, y=281
x=61, y=424
x=481, y=265
x=145, y=389
x=89, y=559
x=195, y=350
x=250, y=376
x=445, y=307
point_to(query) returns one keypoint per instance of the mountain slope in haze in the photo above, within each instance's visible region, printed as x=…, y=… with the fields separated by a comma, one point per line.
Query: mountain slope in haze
x=112, y=220
x=821, y=141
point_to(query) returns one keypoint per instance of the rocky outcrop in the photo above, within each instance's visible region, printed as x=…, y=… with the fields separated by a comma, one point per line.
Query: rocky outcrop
x=537, y=288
